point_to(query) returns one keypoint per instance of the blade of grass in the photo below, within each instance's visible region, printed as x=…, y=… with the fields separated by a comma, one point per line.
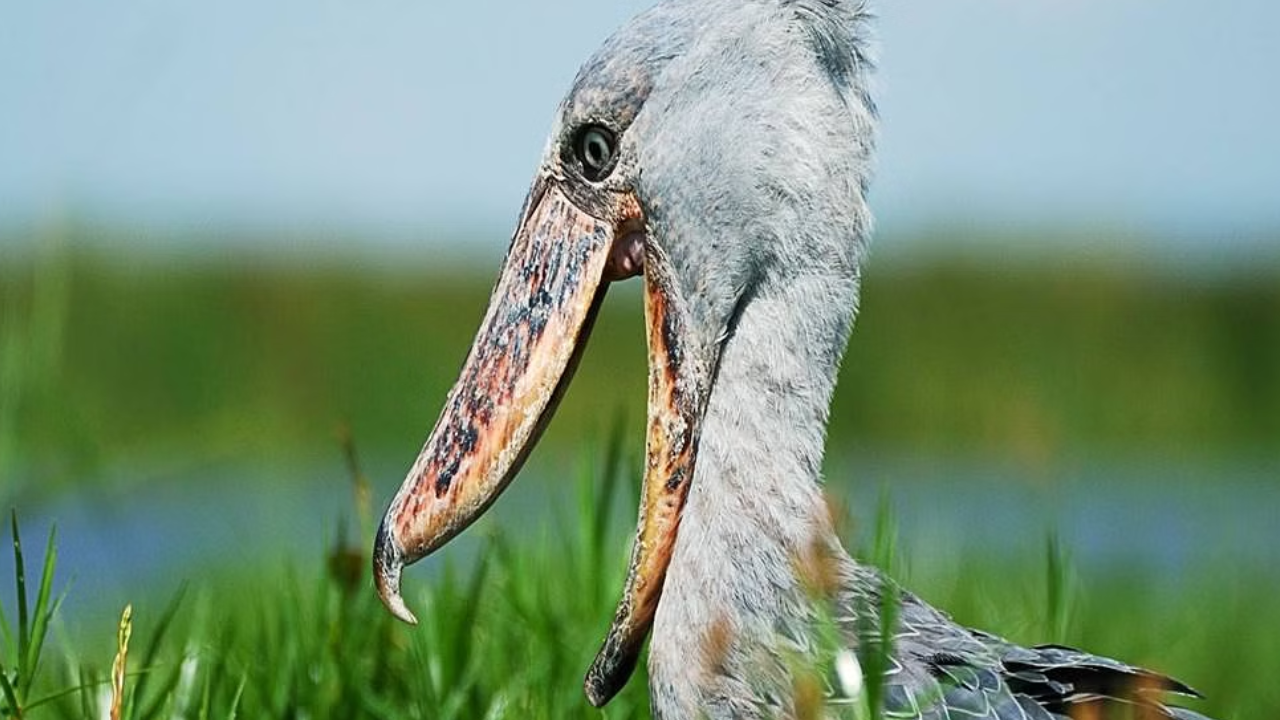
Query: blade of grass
x=56, y=696
x=885, y=549
x=475, y=588
x=6, y=637
x=235, y=699
x=1058, y=587
x=86, y=698
x=206, y=697
x=20, y=577
x=889, y=605
x=10, y=696
x=149, y=659
x=879, y=638
x=43, y=612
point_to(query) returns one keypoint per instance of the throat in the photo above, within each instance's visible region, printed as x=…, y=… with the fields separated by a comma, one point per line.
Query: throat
x=756, y=510
x=760, y=460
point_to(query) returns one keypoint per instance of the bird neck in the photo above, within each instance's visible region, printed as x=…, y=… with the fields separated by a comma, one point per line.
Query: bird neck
x=756, y=505
x=760, y=460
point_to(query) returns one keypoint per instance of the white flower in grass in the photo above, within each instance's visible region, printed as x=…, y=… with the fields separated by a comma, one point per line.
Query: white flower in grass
x=849, y=674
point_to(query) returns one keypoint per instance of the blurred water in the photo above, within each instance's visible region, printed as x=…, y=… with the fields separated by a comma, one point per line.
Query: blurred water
x=1171, y=523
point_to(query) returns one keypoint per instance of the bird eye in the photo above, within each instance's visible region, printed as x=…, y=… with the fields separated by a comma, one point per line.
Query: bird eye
x=595, y=149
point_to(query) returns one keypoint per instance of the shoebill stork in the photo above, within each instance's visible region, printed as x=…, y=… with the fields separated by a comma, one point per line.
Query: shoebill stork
x=720, y=150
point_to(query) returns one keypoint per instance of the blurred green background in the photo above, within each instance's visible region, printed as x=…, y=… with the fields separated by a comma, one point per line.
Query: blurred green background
x=109, y=358
x=233, y=235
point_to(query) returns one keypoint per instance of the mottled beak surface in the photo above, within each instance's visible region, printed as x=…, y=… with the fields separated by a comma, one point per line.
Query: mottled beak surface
x=561, y=261
x=539, y=316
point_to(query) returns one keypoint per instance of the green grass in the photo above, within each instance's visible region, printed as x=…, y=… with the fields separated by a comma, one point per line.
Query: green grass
x=103, y=363
x=510, y=633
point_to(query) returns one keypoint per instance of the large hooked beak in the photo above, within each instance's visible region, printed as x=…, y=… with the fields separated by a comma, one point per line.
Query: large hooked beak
x=553, y=281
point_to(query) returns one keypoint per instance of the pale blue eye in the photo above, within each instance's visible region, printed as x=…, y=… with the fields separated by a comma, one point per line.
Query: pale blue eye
x=595, y=150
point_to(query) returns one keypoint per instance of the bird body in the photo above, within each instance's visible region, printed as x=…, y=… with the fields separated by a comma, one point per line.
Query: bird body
x=723, y=149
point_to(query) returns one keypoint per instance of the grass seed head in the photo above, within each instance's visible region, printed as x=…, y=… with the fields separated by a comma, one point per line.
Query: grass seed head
x=123, y=633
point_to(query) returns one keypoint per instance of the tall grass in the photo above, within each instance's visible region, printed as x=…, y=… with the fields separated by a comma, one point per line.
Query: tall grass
x=509, y=632
x=24, y=637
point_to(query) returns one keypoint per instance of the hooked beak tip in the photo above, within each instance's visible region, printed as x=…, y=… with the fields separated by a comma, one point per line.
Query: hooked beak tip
x=596, y=697
x=388, y=562
x=607, y=675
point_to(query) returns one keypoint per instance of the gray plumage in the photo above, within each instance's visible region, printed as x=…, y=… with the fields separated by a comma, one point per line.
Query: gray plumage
x=746, y=129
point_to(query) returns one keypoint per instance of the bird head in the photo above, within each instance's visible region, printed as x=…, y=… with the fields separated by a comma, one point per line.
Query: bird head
x=712, y=148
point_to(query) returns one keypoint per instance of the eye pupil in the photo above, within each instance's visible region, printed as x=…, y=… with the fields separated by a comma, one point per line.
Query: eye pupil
x=595, y=149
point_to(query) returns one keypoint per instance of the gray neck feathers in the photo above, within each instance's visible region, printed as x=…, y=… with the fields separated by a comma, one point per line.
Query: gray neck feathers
x=756, y=506
x=754, y=148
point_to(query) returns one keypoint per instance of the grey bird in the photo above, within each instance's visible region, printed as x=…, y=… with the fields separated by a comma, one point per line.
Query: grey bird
x=721, y=150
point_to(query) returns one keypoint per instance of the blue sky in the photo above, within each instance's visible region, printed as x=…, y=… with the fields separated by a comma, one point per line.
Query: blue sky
x=1158, y=116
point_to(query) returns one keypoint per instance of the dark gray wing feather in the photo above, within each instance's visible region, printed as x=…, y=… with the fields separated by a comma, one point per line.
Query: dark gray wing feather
x=943, y=671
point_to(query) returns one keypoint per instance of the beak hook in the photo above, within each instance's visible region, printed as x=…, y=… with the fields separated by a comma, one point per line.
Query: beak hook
x=388, y=562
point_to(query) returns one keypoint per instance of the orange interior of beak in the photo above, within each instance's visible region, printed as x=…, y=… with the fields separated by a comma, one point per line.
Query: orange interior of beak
x=676, y=404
